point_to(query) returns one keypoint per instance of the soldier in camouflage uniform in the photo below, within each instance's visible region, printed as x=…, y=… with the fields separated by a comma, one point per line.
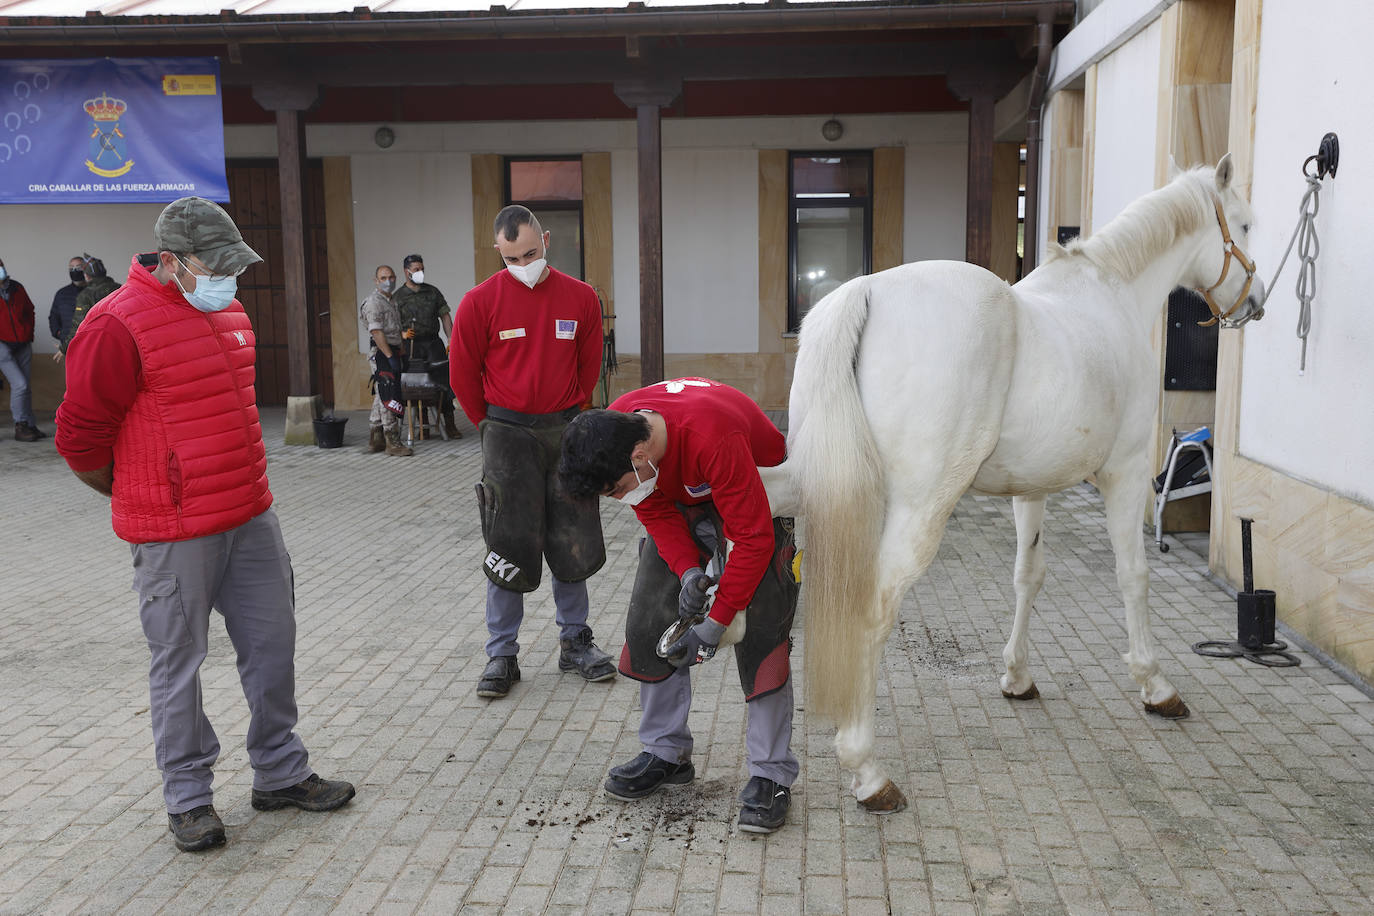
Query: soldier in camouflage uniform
x=383, y=323
x=98, y=286
x=423, y=309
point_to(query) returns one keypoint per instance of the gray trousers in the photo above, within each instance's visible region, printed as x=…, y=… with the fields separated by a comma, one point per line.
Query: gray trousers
x=506, y=610
x=245, y=574
x=768, y=734
x=15, y=367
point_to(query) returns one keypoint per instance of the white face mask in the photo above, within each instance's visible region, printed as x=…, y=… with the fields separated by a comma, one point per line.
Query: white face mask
x=528, y=274
x=212, y=294
x=638, y=494
x=387, y=286
x=417, y=277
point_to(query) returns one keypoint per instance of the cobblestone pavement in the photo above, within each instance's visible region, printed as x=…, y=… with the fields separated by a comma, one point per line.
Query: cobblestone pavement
x=1262, y=802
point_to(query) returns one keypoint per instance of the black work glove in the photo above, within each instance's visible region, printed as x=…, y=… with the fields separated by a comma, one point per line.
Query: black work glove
x=691, y=601
x=696, y=645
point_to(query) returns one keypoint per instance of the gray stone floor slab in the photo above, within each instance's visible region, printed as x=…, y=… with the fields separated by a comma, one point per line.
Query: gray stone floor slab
x=1078, y=802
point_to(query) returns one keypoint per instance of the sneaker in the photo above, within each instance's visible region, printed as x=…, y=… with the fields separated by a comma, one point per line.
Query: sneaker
x=310, y=794
x=500, y=673
x=26, y=432
x=764, y=806
x=582, y=655
x=197, y=829
x=645, y=775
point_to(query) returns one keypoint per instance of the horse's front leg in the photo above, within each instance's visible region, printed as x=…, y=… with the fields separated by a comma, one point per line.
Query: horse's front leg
x=1124, y=495
x=1029, y=575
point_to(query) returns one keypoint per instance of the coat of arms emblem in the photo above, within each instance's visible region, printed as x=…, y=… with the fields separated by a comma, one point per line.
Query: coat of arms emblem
x=108, y=153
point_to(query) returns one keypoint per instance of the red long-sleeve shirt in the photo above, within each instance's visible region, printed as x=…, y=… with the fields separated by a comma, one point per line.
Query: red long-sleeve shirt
x=534, y=350
x=103, y=371
x=16, y=313
x=717, y=440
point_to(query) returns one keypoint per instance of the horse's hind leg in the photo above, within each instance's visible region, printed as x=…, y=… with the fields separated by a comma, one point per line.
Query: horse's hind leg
x=1028, y=577
x=1124, y=494
x=909, y=544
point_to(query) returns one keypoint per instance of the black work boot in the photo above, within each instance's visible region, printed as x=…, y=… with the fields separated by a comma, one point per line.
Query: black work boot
x=450, y=427
x=645, y=775
x=500, y=673
x=25, y=432
x=764, y=807
x=197, y=829
x=310, y=794
x=581, y=653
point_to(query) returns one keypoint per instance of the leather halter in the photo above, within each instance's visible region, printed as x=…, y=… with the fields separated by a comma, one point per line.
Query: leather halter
x=1232, y=251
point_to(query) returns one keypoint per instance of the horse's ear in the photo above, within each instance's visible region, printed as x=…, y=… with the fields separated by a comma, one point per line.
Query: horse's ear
x=1174, y=170
x=1225, y=172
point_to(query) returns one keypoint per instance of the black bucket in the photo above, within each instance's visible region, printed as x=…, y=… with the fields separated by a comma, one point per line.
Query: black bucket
x=329, y=431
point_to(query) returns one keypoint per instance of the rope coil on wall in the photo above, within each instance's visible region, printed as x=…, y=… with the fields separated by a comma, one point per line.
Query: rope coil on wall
x=1314, y=169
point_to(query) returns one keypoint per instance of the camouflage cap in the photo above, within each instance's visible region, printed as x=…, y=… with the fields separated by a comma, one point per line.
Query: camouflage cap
x=194, y=225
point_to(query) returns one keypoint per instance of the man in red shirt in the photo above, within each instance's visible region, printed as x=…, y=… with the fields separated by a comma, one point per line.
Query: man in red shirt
x=160, y=415
x=685, y=453
x=525, y=357
x=16, y=353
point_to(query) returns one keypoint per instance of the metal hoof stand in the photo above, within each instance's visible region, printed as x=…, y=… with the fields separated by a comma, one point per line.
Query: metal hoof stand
x=1254, y=622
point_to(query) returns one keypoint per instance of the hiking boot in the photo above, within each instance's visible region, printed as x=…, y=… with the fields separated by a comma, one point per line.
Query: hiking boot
x=197, y=829
x=645, y=775
x=581, y=654
x=26, y=432
x=376, y=440
x=394, y=445
x=764, y=805
x=500, y=673
x=451, y=428
x=310, y=794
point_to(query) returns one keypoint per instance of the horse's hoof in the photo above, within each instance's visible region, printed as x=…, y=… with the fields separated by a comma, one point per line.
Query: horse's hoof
x=1029, y=693
x=887, y=800
x=1172, y=708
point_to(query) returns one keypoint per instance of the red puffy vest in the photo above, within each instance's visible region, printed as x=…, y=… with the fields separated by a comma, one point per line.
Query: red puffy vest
x=189, y=460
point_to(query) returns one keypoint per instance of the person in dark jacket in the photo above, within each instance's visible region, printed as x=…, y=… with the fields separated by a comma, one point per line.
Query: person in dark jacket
x=63, y=305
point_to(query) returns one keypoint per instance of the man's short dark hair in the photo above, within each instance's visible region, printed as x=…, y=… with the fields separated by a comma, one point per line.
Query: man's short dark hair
x=596, y=450
x=509, y=221
x=412, y=259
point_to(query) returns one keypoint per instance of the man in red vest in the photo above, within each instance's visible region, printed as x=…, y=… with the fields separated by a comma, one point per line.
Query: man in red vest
x=160, y=415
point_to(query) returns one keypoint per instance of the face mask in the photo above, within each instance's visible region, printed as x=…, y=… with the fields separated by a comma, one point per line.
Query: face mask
x=387, y=286
x=211, y=294
x=418, y=277
x=637, y=495
x=528, y=274
x=76, y=275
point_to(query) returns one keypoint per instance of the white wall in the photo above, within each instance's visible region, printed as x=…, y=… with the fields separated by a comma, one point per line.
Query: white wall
x=416, y=196
x=37, y=241
x=1124, y=128
x=1318, y=426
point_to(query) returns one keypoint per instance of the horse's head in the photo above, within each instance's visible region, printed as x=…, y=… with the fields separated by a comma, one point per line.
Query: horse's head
x=1237, y=294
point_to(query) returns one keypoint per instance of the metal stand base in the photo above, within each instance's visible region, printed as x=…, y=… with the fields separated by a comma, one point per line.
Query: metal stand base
x=1270, y=654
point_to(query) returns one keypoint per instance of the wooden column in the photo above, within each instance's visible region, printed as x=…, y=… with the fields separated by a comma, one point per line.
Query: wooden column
x=648, y=98
x=978, y=233
x=289, y=97
x=300, y=306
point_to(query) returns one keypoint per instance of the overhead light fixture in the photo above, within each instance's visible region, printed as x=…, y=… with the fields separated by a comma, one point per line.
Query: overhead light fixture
x=832, y=130
x=384, y=137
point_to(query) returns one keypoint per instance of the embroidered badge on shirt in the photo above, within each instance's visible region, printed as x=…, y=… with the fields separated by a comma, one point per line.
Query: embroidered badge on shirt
x=564, y=329
x=698, y=491
x=513, y=332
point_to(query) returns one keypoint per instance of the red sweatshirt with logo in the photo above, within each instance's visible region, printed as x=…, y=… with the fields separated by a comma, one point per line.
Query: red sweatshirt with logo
x=717, y=439
x=534, y=350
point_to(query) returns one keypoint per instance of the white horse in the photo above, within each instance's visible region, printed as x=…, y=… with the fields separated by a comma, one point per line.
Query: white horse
x=919, y=383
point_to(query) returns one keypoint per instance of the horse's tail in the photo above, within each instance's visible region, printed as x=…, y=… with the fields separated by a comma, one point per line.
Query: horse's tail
x=839, y=479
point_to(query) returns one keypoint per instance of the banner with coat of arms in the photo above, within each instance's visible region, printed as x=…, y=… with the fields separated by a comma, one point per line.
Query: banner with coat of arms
x=111, y=130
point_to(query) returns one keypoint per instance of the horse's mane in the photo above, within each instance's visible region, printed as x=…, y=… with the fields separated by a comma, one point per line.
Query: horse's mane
x=1150, y=224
